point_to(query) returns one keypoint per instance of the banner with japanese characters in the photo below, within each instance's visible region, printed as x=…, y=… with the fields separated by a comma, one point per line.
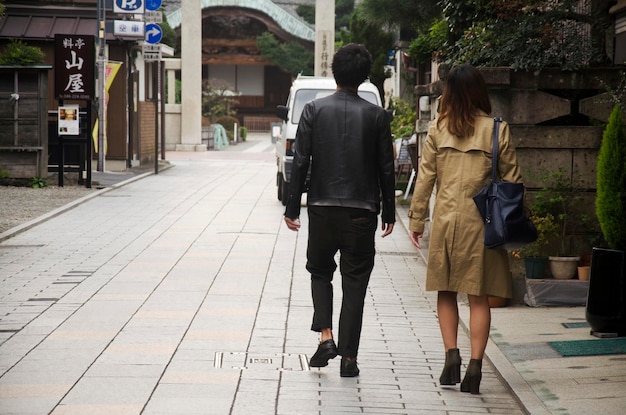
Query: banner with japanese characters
x=74, y=69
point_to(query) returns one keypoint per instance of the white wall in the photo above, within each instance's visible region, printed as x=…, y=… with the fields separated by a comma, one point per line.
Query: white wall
x=246, y=79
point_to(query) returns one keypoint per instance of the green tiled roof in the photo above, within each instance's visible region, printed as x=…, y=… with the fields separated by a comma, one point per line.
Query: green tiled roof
x=285, y=20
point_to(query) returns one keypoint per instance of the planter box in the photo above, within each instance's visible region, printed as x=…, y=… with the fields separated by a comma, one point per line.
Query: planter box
x=552, y=292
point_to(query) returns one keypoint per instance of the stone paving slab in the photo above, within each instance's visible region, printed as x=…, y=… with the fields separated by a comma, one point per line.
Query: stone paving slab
x=187, y=289
x=177, y=272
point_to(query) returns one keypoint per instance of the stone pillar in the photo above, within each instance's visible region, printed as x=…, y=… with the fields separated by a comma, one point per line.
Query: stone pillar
x=324, y=37
x=191, y=92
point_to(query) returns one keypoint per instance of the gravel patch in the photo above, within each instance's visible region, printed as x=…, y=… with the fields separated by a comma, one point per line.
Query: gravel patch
x=19, y=205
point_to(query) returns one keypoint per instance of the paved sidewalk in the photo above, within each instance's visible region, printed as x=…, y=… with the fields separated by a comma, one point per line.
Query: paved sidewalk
x=184, y=293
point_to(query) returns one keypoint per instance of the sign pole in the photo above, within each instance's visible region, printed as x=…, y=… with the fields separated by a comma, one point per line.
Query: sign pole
x=101, y=92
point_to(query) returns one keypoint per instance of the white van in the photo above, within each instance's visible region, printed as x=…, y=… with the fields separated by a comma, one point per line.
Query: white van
x=303, y=90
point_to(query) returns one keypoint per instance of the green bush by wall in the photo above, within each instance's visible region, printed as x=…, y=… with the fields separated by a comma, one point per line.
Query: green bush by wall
x=611, y=182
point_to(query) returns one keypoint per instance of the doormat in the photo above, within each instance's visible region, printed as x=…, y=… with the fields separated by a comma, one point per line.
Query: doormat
x=590, y=347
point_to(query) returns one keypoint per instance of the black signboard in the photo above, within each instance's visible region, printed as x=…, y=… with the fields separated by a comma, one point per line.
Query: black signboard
x=74, y=67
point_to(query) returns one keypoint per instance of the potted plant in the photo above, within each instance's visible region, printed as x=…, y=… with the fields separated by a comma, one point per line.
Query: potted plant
x=561, y=200
x=534, y=254
x=606, y=298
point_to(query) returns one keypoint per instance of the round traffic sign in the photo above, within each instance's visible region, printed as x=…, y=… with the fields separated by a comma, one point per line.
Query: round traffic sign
x=153, y=5
x=153, y=33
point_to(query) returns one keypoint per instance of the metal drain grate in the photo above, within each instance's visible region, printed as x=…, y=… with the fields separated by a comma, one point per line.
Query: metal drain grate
x=396, y=253
x=276, y=361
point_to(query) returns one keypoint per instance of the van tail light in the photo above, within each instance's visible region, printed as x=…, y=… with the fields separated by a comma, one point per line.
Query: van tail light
x=289, y=146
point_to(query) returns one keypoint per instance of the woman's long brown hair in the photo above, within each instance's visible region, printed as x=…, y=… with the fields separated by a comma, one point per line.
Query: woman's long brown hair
x=465, y=93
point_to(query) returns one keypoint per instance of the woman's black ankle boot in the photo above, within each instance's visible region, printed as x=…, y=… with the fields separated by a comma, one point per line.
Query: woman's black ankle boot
x=471, y=381
x=451, y=374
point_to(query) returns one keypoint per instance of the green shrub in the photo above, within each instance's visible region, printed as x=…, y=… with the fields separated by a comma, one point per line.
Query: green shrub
x=243, y=133
x=611, y=182
x=19, y=53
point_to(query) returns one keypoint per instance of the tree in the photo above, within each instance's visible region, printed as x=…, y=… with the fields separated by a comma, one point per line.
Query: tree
x=523, y=34
x=401, y=14
x=377, y=41
x=19, y=53
x=343, y=13
x=291, y=57
x=169, y=34
x=307, y=12
x=218, y=99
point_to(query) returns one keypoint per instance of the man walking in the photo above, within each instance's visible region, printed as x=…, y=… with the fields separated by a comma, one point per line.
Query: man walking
x=347, y=142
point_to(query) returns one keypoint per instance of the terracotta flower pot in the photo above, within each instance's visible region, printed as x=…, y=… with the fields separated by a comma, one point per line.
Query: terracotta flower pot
x=583, y=272
x=496, y=302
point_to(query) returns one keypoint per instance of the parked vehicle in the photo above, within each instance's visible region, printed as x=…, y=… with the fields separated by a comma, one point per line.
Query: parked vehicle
x=303, y=90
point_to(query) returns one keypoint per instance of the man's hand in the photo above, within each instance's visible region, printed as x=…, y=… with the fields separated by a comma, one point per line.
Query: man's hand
x=293, y=224
x=387, y=229
x=415, y=238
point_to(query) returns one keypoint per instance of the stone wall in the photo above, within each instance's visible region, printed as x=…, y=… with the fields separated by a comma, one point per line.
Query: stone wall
x=556, y=119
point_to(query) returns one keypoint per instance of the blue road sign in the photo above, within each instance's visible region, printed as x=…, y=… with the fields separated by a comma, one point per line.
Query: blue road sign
x=153, y=5
x=129, y=5
x=153, y=33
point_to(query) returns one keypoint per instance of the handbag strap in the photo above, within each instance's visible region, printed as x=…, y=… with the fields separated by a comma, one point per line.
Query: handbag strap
x=494, y=155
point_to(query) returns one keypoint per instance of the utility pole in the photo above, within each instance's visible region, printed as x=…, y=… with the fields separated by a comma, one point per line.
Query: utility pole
x=101, y=75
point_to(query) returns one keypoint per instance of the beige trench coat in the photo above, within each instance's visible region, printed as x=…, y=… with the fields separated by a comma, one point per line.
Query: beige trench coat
x=457, y=258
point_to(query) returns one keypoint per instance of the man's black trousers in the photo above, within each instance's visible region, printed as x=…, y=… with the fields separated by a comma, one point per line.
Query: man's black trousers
x=351, y=232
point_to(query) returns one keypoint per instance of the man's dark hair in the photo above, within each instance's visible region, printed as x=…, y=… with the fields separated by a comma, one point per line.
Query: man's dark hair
x=351, y=65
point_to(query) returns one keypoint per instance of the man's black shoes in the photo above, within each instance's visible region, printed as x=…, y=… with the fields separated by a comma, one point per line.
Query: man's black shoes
x=325, y=351
x=349, y=368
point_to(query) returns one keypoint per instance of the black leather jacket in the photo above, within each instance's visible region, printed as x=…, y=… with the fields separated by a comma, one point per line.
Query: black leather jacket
x=347, y=141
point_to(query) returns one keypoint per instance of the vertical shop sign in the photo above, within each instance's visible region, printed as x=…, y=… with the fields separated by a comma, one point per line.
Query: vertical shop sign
x=74, y=69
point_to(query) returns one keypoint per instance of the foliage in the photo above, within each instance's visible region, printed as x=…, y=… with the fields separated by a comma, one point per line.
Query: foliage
x=399, y=13
x=617, y=94
x=562, y=201
x=218, y=99
x=611, y=182
x=169, y=34
x=243, y=133
x=38, y=182
x=522, y=34
x=228, y=122
x=404, y=117
x=307, y=12
x=429, y=41
x=377, y=42
x=343, y=13
x=291, y=56
x=19, y=53
x=2, y=8
x=546, y=228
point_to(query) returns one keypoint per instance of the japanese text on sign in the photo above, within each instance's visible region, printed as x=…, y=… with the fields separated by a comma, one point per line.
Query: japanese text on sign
x=74, y=67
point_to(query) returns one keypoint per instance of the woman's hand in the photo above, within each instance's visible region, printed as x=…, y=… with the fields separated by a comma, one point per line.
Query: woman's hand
x=415, y=238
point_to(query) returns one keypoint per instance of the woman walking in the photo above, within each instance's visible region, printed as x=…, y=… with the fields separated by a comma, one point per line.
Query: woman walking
x=457, y=157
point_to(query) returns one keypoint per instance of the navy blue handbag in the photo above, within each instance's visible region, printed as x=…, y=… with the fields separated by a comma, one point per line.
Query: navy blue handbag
x=501, y=205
